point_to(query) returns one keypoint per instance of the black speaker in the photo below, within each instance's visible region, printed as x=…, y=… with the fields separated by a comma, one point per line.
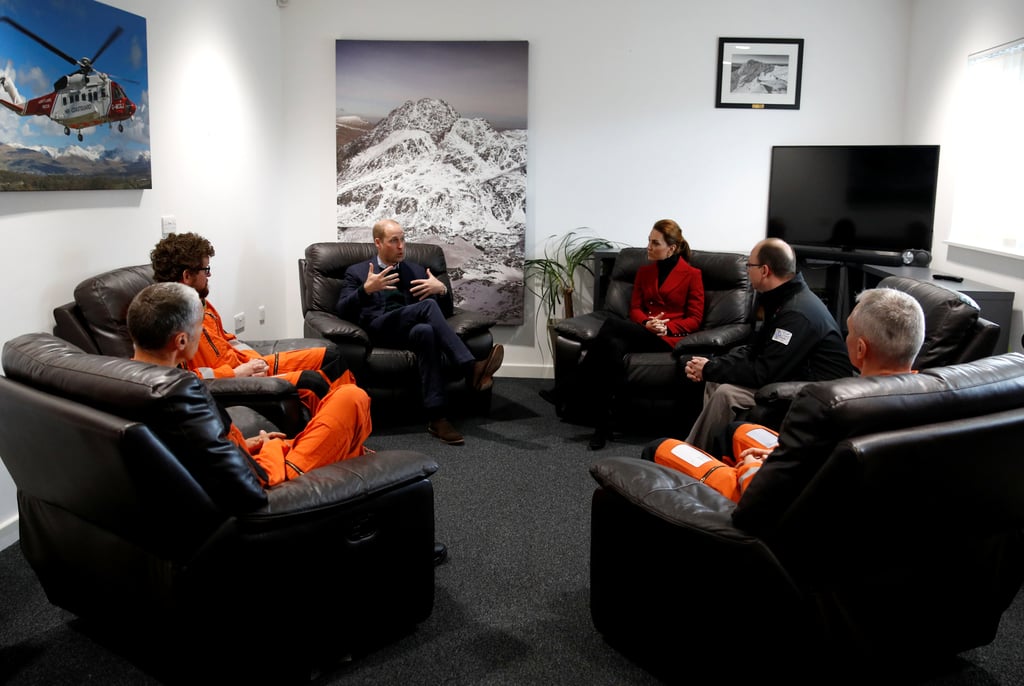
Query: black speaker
x=891, y=259
x=916, y=258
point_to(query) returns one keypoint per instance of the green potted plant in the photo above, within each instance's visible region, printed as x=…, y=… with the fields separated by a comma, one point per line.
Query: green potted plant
x=552, y=278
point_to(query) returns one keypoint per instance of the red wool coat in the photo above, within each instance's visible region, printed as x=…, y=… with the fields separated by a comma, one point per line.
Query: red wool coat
x=680, y=298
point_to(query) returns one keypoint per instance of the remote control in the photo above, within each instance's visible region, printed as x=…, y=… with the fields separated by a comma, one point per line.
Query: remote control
x=948, y=277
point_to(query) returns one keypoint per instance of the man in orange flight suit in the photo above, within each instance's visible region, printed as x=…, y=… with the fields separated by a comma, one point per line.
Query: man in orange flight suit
x=165, y=321
x=185, y=258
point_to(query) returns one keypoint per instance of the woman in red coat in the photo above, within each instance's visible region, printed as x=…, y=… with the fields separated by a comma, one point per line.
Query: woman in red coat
x=667, y=304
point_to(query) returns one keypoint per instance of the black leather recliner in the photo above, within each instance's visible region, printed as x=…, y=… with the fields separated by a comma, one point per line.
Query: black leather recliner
x=385, y=373
x=136, y=512
x=955, y=332
x=656, y=382
x=905, y=545
x=96, y=322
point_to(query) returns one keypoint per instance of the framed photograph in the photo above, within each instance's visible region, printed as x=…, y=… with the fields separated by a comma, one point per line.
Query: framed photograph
x=759, y=73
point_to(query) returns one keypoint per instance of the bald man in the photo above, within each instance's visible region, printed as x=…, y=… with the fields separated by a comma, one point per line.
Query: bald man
x=798, y=341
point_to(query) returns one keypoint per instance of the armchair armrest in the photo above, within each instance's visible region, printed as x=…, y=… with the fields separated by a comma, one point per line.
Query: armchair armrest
x=669, y=495
x=659, y=530
x=584, y=327
x=365, y=525
x=334, y=328
x=347, y=482
x=772, y=401
x=659, y=538
x=718, y=339
x=68, y=324
x=231, y=390
x=281, y=345
x=465, y=323
x=780, y=391
x=274, y=398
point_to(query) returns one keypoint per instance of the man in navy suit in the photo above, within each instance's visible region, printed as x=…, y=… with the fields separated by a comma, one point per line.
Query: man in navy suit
x=396, y=302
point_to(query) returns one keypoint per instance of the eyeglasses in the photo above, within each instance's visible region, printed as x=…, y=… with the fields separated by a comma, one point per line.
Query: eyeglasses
x=202, y=269
x=749, y=265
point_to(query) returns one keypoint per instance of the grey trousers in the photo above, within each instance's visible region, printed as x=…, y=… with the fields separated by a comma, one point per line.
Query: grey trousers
x=722, y=402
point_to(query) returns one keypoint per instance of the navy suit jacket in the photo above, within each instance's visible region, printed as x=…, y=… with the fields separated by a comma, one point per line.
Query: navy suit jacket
x=355, y=305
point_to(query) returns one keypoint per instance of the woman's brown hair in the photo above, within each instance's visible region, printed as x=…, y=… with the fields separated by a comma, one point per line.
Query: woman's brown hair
x=674, y=236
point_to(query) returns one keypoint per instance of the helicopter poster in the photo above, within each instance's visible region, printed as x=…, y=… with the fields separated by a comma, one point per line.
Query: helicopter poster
x=73, y=97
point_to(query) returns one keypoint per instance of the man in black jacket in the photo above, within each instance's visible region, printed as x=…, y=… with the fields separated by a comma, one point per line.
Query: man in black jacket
x=886, y=330
x=798, y=341
x=396, y=301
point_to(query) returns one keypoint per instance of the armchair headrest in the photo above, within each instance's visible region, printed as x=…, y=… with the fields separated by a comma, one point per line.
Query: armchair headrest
x=326, y=264
x=722, y=271
x=103, y=301
x=175, y=404
x=728, y=297
x=857, y=406
x=949, y=317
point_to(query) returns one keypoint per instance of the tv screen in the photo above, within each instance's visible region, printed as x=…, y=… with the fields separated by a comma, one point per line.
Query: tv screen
x=871, y=198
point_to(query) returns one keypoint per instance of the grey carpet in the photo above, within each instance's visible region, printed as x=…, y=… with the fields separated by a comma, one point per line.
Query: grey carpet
x=511, y=603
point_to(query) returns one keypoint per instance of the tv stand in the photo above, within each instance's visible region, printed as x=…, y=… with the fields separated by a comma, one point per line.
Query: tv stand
x=834, y=281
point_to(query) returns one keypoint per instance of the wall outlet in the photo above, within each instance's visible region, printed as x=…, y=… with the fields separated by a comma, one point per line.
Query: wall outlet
x=240, y=322
x=168, y=225
x=263, y=314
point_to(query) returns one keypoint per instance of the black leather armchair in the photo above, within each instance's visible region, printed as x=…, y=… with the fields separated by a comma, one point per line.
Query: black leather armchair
x=96, y=322
x=137, y=513
x=955, y=332
x=904, y=545
x=385, y=373
x=656, y=382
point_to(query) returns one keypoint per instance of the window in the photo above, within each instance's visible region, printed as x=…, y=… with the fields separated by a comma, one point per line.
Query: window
x=989, y=177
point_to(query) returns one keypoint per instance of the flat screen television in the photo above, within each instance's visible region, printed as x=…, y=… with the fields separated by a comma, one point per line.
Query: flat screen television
x=861, y=203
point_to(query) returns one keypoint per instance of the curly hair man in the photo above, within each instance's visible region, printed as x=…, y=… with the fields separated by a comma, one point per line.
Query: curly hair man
x=185, y=258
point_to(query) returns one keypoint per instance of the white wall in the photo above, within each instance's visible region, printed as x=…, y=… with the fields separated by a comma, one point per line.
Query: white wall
x=216, y=123
x=623, y=131
x=943, y=34
x=622, y=125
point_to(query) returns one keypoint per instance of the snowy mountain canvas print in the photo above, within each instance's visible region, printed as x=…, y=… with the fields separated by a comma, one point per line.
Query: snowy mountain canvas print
x=433, y=135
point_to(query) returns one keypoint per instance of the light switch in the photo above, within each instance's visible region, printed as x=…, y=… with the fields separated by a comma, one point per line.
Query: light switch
x=168, y=225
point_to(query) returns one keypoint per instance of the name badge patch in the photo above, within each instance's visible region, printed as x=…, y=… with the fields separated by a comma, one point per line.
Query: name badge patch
x=782, y=336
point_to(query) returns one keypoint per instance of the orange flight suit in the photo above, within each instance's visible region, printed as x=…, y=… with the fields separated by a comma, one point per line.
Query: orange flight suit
x=723, y=476
x=220, y=352
x=336, y=432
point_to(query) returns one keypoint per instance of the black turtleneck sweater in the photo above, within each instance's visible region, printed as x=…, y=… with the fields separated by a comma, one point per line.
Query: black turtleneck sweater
x=665, y=266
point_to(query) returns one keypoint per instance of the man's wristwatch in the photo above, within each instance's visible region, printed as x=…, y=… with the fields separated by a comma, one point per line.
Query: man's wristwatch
x=444, y=290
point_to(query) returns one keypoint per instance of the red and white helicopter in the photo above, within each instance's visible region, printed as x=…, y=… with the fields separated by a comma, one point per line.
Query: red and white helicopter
x=79, y=100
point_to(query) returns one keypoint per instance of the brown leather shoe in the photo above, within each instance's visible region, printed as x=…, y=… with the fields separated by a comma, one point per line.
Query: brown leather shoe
x=483, y=370
x=444, y=430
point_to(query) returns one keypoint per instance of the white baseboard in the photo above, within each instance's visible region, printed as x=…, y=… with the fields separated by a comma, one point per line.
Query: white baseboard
x=9, y=532
x=526, y=371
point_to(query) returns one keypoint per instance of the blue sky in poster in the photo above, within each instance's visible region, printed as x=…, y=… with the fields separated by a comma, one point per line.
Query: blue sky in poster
x=485, y=79
x=77, y=28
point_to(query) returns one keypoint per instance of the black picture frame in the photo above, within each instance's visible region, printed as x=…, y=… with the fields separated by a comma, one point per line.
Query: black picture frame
x=759, y=73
